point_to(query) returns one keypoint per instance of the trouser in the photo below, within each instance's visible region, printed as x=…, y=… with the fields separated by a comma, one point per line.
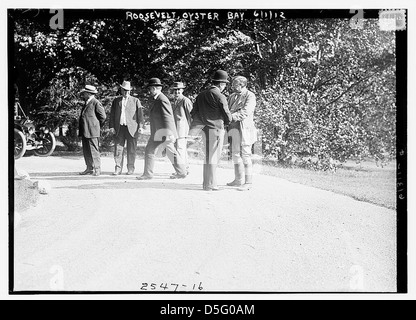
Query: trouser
x=241, y=154
x=181, y=147
x=90, y=148
x=171, y=152
x=213, y=140
x=119, y=143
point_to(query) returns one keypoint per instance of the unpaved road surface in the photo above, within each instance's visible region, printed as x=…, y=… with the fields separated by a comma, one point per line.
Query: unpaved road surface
x=119, y=234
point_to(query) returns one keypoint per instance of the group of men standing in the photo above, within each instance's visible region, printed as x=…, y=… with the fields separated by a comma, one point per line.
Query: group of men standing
x=172, y=125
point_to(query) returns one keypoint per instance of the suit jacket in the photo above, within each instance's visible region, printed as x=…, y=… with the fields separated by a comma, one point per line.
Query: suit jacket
x=134, y=115
x=181, y=112
x=91, y=119
x=242, y=109
x=211, y=109
x=162, y=122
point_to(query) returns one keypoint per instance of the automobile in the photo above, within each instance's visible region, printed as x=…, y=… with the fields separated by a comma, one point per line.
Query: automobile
x=29, y=136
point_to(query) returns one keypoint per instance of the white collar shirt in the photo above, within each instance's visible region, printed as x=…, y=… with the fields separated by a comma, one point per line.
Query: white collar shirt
x=123, y=120
x=89, y=99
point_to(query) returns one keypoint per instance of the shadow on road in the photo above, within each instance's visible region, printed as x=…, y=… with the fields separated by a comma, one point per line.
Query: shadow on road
x=107, y=181
x=76, y=176
x=131, y=184
x=57, y=175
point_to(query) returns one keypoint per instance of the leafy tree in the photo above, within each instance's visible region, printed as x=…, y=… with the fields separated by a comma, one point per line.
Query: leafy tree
x=326, y=92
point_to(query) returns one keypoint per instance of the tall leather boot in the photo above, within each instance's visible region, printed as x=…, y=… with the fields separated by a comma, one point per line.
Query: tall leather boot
x=249, y=178
x=239, y=173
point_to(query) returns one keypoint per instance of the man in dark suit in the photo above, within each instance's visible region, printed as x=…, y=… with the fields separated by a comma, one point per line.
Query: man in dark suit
x=126, y=123
x=162, y=132
x=90, y=122
x=210, y=113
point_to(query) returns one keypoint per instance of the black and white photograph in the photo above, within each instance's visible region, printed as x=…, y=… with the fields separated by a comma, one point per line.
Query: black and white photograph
x=195, y=151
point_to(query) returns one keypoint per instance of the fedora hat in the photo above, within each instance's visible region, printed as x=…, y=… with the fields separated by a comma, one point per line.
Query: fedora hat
x=220, y=76
x=178, y=85
x=126, y=85
x=90, y=89
x=154, y=82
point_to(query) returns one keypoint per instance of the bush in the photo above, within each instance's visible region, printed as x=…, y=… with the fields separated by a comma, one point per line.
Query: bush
x=71, y=139
x=300, y=134
x=106, y=140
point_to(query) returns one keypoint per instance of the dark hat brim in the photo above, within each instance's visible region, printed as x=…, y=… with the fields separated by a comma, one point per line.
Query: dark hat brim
x=223, y=81
x=154, y=85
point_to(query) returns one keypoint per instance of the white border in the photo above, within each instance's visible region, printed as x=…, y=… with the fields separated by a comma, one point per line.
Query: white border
x=217, y=4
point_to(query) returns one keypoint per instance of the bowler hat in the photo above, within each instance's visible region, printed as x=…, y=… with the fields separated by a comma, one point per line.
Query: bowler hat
x=154, y=82
x=178, y=85
x=220, y=76
x=90, y=89
x=126, y=85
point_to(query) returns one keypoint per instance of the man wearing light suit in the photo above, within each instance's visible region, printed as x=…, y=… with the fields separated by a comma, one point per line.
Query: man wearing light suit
x=243, y=132
x=162, y=133
x=90, y=122
x=126, y=123
x=182, y=107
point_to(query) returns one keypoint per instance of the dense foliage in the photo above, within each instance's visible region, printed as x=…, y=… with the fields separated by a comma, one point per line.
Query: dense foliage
x=325, y=91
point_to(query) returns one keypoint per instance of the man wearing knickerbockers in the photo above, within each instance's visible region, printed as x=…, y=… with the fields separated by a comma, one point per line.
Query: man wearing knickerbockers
x=243, y=132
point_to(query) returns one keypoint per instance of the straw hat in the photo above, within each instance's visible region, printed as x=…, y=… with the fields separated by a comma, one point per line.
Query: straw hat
x=178, y=85
x=90, y=89
x=126, y=85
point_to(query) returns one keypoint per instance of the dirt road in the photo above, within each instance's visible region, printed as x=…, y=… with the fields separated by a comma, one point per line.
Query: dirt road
x=119, y=234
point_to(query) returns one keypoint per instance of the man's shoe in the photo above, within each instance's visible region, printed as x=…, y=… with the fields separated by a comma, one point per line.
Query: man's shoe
x=212, y=189
x=235, y=183
x=130, y=172
x=174, y=174
x=143, y=177
x=238, y=172
x=117, y=172
x=97, y=173
x=245, y=187
x=87, y=171
x=178, y=176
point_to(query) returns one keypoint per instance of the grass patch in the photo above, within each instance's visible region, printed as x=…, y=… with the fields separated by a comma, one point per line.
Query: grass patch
x=364, y=182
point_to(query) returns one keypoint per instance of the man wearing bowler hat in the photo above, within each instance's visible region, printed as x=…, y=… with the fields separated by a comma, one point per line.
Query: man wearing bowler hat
x=210, y=113
x=182, y=107
x=90, y=122
x=126, y=122
x=162, y=132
